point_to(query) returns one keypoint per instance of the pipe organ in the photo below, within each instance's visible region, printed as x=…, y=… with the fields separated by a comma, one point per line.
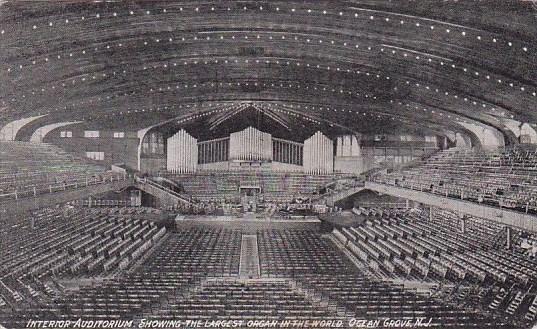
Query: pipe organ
x=182, y=153
x=250, y=145
x=286, y=151
x=315, y=156
x=216, y=150
x=318, y=155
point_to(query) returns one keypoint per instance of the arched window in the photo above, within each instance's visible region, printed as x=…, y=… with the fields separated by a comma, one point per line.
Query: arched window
x=153, y=144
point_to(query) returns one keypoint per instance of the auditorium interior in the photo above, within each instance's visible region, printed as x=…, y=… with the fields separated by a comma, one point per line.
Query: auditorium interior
x=256, y=164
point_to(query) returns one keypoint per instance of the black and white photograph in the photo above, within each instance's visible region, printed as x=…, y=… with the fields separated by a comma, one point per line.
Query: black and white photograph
x=268, y=164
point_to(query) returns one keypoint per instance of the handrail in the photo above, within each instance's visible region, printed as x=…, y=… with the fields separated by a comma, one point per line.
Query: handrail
x=502, y=202
x=103, y=203
x=51, y=188
x=383, y=205
x=161, y=187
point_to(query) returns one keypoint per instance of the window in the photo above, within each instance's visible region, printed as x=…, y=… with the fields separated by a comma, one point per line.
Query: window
x=91, y=133
x=119, y=134
x=66, y=134
x=95, y=155
x=153, y=144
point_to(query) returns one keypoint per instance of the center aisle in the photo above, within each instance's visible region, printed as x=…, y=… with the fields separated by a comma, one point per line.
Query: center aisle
x=249, y=262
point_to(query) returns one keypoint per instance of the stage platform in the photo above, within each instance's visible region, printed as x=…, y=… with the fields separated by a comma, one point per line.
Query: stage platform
x=340, y=219
x=246, y=224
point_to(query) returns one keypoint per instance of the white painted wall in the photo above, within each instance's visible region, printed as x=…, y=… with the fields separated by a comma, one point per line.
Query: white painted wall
x=41, y=132
x=9, y=131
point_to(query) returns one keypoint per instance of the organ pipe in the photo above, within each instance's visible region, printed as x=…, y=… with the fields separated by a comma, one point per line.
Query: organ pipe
x=318, y=155
x=254, y=145
x=182, y=153
x=250, y=144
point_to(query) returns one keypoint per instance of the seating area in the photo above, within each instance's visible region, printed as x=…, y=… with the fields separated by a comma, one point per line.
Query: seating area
x=192, y=273
x=296, y=252
x=275, y=187
x=505, y=178
x=77, y=244
x=525, y=243
x=239, y=300
x=361, y=163
x=413, y=245
x=368, y=299
x=28, y=169
x=211, y=252
x=179, y=262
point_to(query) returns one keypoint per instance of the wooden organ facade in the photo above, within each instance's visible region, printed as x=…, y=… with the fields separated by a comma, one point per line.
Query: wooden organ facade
x=186, y=155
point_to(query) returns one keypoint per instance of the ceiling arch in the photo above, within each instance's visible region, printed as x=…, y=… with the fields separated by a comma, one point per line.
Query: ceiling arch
x=429, y=65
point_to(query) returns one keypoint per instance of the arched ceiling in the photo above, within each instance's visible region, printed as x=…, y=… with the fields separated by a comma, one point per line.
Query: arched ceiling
x=374, y=65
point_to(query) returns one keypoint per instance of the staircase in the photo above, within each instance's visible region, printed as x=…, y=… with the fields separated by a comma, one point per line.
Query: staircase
x=331, y=199
x=164, y=194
